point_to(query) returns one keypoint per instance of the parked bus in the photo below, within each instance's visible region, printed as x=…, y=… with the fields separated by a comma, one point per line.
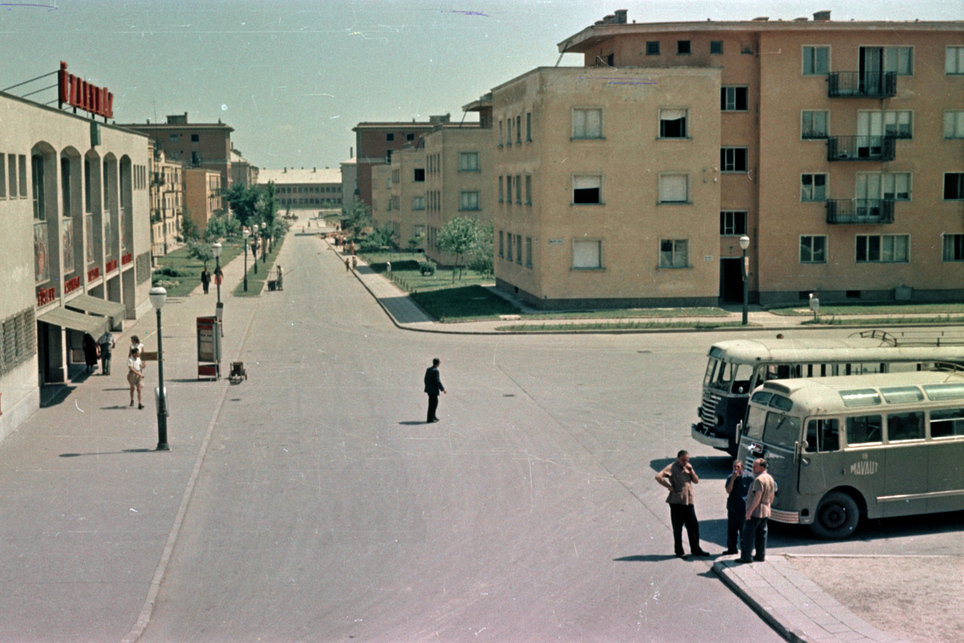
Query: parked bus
x=736, y=367
x=874, y=446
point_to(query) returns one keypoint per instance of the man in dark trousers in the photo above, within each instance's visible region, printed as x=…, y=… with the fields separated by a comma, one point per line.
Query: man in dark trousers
x=679, y=477
x=433, y=385
x=205, y=279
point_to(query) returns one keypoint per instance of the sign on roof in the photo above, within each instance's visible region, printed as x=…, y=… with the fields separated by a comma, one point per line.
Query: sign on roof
x=79, y=93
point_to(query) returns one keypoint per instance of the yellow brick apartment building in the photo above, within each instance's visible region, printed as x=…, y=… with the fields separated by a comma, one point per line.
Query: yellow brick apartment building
x=836, y=147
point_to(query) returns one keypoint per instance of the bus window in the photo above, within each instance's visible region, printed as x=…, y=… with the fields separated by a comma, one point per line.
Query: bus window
x=755, y=420
x=863, y=429
x=710, y=371
x=946, y=423
x=823, y=435
x=905, y=426
x=782, y=430
x=741, y=378
x=953, y=391
x=860, y=397
x=901, y=394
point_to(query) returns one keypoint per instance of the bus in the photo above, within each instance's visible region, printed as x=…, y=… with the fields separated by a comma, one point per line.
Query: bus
x=866, y=446
x=736, y=367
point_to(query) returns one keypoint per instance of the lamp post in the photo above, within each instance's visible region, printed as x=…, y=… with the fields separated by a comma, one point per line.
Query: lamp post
x=216, y=247
x=264, y=242
x=246, y=233
x=158, y=296
x=745, y=243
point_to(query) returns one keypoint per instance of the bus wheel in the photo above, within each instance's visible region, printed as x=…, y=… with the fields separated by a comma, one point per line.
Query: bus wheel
x=837, y=516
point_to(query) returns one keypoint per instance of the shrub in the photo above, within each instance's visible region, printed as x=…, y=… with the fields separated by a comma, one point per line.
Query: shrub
x=427, y=267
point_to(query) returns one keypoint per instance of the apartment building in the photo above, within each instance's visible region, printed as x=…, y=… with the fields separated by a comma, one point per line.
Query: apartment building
x=381, y=190
x=406, y=211
x=204, y=146
x=75, y=246
x=203, y=196
x=458, y=176
x=836, y=147
x=167, y=203
x=242, y=171
x=318, y=189
x=607, y=186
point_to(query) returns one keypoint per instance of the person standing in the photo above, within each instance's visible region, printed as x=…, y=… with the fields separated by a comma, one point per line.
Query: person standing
x=281, y=278
x=107, y=344
x=205, y=279
x=135, y=345
x=90, y=352
x=737, y=486
x=679, y=477
x=758, y=502
x=433, y=385
x=135, y=376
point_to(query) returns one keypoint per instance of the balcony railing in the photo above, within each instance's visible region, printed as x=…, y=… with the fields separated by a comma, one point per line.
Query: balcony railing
x=861, y=148
x=866, y=84
x=860, y=211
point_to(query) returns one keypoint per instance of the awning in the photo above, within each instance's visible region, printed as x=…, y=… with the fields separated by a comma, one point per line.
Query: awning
x=95, y=306
x=75, y=321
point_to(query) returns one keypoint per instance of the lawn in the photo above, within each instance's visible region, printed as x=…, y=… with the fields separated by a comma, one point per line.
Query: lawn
x=878, y=309
x=186, y=271
x=256, y=281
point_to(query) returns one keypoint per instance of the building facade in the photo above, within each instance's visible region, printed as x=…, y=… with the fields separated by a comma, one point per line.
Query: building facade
x=840, y=153
x=406, y=209
x=167, y=203
x=381, y=190
x=318, y=189
x=76, y=242
x=203, y=196
x=242, y=172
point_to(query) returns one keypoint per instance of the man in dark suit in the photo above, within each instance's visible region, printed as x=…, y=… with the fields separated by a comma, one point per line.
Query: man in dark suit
x=433, y=384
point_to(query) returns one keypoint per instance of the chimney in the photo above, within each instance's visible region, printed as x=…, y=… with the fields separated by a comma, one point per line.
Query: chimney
x=822, y=16
x=314, y=169
x=620, y=16
x=351, y=152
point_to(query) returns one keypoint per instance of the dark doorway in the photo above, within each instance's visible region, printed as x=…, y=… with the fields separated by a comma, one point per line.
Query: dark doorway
x=731, y=281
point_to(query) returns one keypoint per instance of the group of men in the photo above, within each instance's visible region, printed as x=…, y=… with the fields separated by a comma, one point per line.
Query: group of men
x=747, y=506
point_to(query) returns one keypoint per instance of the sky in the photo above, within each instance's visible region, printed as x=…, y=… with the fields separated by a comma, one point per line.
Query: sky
x=292, y=77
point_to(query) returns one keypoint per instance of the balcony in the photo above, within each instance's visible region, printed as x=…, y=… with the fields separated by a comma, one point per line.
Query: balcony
x=857, y=84
x=861, y=148
x=860, y=211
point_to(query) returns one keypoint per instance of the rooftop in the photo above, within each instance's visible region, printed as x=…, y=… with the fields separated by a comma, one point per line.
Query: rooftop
x=291, y=176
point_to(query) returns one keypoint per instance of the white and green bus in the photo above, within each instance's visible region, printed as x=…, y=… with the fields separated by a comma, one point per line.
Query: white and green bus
x=736, y=367
x=864, y=446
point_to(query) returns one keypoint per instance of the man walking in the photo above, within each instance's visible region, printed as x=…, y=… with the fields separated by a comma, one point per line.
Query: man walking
x=758, y=502
x=107, y=344
x=433, y=385
x=679, y=477
x=737, y=486
x=205, y=279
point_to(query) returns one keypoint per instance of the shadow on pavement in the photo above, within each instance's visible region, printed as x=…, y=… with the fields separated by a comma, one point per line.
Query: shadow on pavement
x=54, y=394
x=412, y=422
x=950, y=523
x=645, y=558
x=77, y=455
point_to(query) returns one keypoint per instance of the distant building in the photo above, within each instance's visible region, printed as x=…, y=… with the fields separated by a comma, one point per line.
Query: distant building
x=349, y=182
x=406, y=212
x=242, y=172
x=203, y=196
x=318, y=189
x=167, y=203
x=381, y=188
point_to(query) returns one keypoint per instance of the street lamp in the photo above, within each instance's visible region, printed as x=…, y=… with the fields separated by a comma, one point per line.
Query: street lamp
x=264, y=242
x=216, y=247
x=246, y=233
x=745, y=243
x=158, y=296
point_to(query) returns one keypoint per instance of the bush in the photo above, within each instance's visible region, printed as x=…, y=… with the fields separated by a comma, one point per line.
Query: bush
x=427, y=267
x=165, y=283
x=167, y=271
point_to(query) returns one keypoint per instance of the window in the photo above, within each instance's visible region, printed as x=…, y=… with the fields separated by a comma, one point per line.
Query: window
x=195, y=138
x=501, y=244
x=501, y=193
x=12, y=173
x=673, y=188
x=823, y=435
x=388, y=156
x=816, y=61
x=954, y=186
x=864, y=429
x=884, y=248
x=508, y=247
x=469, y=200
x=419, y=175
x=673, y=253
x=905, y=426
x=518, y=188
x=410, y=137
x=586, y=189
x=528, y=252
x=390, y=136
x=672, y=123
x=508, y=189
x=813, y=187
x=587, y=254
x=652, y=48
x=732, y=222
x=528, y=189
x=587, y=123
x=518, y=249
x=900, y=60
x=946, y=423
x=508, y=131
x=418, y=202
x=518, y=130
x=813, y=249
x=954, y=124
x=23, y=176
x=733, y=159
x=529, y=126
x=889, y=186
x=682, y=47
x=716, y=46
x=814, y=124
x=954, y=247
x=897, y=123
x=65, y=189
x=734, y=99
x=173, y=138
x=195, y=158
x=500, y=133
x=468, y=161
x=3, y=176
x=39, y=203
x=954, y=60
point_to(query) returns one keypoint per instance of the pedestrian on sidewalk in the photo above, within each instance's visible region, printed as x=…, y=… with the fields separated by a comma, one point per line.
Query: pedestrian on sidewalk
x=758, y=502
x=135, y=345
x=135, y=376
x=281, y=277
x=354, y=262
x=90, y=352
x=737, y=486
x=679, y=477
x=347, y=264
x=205, y=279
x=433, y=385
x=107, y=344
x=218, y=276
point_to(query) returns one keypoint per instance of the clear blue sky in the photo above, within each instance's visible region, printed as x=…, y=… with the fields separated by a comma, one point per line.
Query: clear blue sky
x=292, y=77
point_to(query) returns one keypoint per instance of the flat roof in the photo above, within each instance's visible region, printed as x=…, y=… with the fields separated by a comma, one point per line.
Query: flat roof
x=300, y=176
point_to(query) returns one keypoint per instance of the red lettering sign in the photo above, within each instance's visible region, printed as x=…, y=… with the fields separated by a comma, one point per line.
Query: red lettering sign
x=71, y=284
x=81, y=94
x=111, y=265
x=126, y=258
x=93, y=274
x=46, y=296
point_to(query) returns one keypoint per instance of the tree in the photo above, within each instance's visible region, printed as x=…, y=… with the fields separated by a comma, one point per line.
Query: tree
x=460, y=237
x=216, y=229
x=482, y=260
x=200, y=250
x=379, y=237
x=189, y=229
x=245, y=202
x=358, y=218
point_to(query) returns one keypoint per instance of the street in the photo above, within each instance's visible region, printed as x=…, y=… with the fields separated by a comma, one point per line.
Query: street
x=312, y=502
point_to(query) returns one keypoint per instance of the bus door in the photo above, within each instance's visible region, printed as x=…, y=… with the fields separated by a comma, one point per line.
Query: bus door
x=907, y=479
x=822, y=464
x=946, y=453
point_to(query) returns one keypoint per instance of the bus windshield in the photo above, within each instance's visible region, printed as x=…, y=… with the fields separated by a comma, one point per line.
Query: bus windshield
x=727, y=376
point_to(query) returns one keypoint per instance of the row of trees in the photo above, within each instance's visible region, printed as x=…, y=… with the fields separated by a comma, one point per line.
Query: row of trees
x=466, y=238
